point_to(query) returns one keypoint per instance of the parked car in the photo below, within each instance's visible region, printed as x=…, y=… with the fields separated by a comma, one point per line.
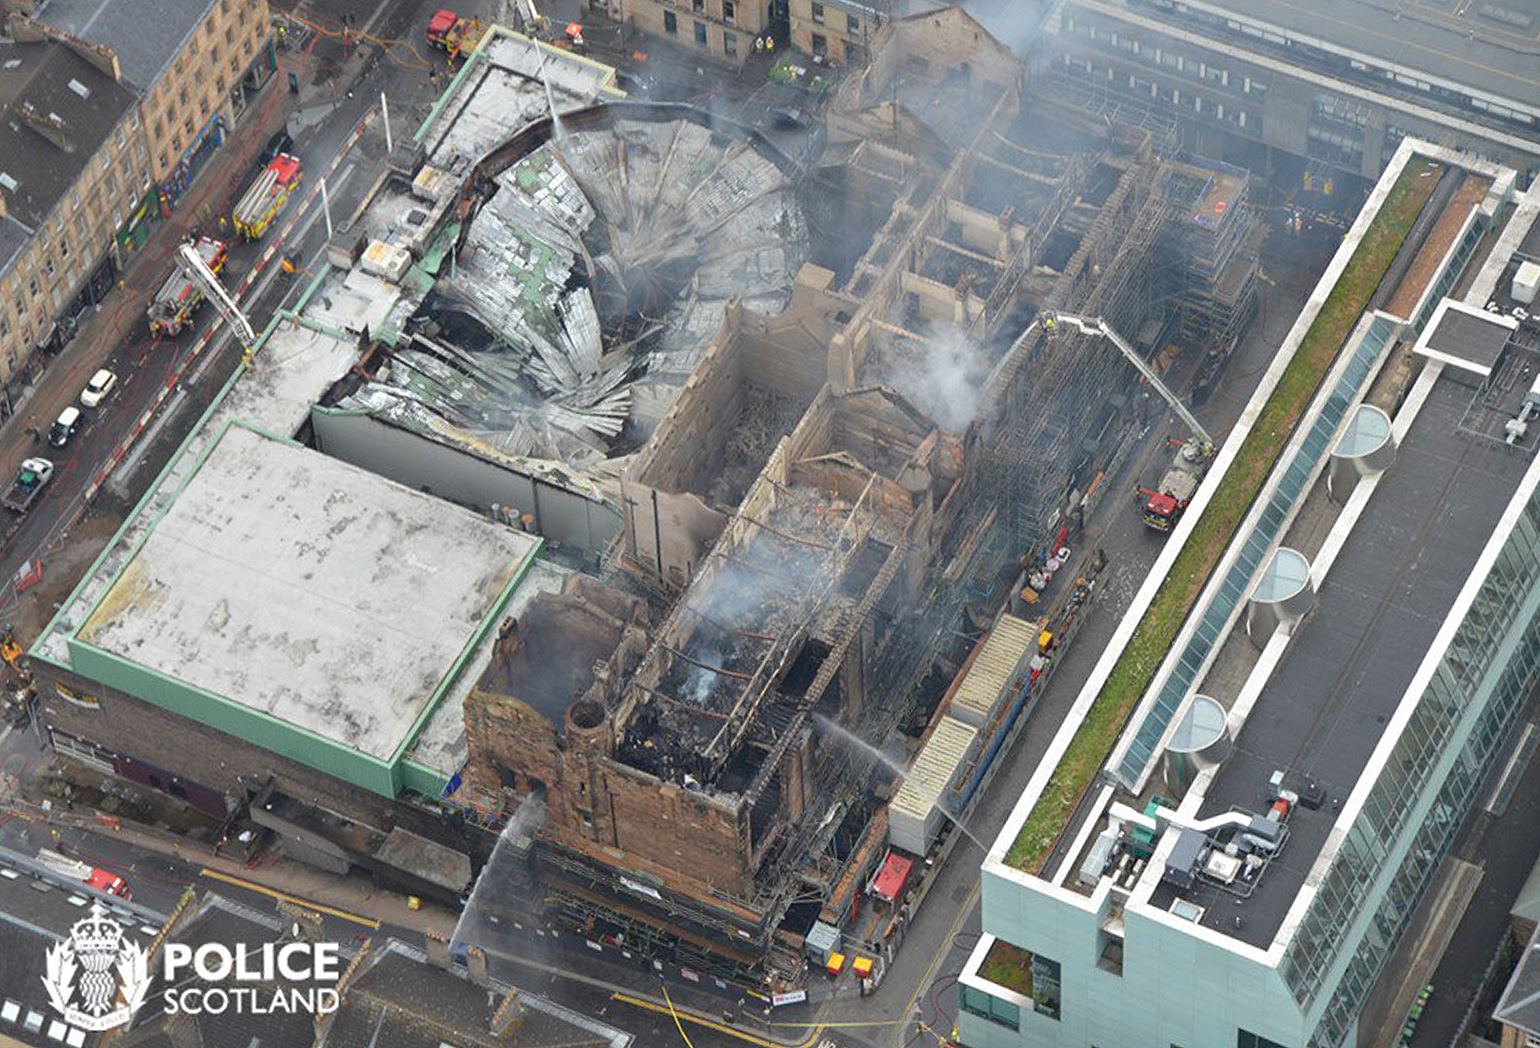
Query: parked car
x=65, y=426
x=30, y=480
x=98, y=389
x=281, y=142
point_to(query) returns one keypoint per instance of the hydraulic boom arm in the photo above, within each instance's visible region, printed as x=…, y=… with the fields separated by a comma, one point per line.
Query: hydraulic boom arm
x=196, y=270
x=1097, y=326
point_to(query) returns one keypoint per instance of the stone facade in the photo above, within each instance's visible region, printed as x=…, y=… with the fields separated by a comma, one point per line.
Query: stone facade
x=721, y=30
x=73, y=253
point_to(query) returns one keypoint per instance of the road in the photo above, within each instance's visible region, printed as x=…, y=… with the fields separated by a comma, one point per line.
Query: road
x=1461, y=975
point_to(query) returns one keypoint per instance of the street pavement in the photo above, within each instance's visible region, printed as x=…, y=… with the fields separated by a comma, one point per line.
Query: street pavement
x=1505, y=844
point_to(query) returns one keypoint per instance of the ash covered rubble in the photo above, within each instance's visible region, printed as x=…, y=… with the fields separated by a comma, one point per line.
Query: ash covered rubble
x=587, y=287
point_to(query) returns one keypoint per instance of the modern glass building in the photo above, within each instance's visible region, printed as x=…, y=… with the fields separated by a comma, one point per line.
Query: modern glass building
x=1249, y=891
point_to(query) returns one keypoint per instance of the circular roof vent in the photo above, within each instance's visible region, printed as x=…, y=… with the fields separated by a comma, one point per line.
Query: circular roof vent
x=1283, y=594
x=1201, y=726
x=1367, y=446
x=1200, y=740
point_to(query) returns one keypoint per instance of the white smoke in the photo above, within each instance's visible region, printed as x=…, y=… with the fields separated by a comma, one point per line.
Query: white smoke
x=944, y=379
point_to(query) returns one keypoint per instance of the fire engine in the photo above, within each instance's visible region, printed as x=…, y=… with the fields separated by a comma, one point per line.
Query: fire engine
x=266, y=197
x=179, y=298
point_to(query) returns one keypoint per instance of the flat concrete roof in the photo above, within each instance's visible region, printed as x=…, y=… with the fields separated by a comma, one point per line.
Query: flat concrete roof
x=1466, y=337
x=1464, y=48
x=309, y=590
x=1321, y=713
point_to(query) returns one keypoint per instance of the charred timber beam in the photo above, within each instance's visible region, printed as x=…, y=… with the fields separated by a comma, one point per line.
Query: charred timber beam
x=976, y=256
x=725, y=628
x=713, y=669
x=688, y=707
x=788, y=536
x=831, y=663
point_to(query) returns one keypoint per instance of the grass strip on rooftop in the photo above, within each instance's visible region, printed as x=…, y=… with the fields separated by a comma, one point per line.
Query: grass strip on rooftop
x=1008, y=966
x=1147, y=648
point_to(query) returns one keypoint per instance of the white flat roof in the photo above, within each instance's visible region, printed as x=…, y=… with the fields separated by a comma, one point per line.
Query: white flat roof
x=308, y=589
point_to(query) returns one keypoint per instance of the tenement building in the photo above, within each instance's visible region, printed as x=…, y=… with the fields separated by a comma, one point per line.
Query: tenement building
x=89, y=169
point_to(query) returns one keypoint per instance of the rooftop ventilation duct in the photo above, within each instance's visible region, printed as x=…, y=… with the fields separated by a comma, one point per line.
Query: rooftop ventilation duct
x=1283, y=595
x=1201, y=740
x=1367, y=446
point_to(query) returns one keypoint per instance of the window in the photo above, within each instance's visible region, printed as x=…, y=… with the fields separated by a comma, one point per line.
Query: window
x=987, y=1006
x=1247, y=1039
x=700, y=34
x=818, y=14
x=83, y=752
x=820, y=45
x=670, y=23
x=852, y=25
x=730, y=44
x=699, y=6
x=729, y=11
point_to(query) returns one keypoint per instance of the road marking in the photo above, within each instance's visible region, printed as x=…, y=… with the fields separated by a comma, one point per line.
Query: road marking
x=642, y=1002
x=367, y=922
x=941, y=954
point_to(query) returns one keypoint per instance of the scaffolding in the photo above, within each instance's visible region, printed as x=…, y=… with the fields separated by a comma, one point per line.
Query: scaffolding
x=1036, y=453
x=1212, y=254
x=1108, y=102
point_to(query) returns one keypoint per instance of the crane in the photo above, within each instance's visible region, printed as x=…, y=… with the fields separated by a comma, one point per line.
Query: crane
x=1051, y=319
x=195, y=269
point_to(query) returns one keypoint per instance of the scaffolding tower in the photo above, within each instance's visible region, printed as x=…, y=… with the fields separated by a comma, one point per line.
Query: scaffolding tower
x=1211, y=254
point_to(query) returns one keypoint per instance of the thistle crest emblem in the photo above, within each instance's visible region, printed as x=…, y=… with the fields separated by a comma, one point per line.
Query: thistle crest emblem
x=96, y=979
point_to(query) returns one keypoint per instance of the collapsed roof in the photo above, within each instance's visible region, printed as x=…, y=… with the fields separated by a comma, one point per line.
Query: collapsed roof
x=588, y=285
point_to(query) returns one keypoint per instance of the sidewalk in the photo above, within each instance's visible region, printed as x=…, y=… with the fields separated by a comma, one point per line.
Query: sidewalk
x=119, y=319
